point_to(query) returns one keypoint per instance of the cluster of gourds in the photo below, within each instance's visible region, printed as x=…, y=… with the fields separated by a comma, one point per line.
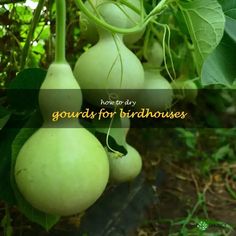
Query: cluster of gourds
x=62, y=169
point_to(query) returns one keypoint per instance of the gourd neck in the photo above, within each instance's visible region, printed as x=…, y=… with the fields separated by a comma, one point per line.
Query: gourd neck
x=104, y=34
x=151, y=68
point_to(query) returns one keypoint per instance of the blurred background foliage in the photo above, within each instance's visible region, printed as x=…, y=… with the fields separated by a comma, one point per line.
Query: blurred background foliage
x=15, y=21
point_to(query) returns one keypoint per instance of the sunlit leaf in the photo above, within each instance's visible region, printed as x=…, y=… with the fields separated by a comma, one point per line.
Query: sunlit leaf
x=205, y=21
x=219, y=67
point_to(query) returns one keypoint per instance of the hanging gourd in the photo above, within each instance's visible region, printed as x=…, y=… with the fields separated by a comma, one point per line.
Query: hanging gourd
x=109, y=64
x=133, y=19
x=154, y=54
x=157, y=93
x=185, y=89
x=87, y=27
x=62, y=169
x=123, y=167
x=89, y=30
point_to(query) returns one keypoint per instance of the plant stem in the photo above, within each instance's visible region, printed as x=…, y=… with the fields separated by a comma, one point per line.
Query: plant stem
x=30, y=35
x=158, y=9
x=105, y=25
x=60, y=31
x=6, y=222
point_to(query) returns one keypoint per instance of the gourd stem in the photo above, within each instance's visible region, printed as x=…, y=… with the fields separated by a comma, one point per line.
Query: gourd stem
x=30, y=35
x=60, y=31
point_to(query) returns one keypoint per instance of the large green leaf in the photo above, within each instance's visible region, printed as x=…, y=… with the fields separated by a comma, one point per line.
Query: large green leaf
x=6, y=191
x=229, y=8
x=43, y=219
x=23, y=90
x=4, y=116
x=230, y=27
x=205, y=21
x=219, y=67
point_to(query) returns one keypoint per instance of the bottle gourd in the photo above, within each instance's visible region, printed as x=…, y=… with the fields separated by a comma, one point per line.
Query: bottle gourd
x=157, y=93
x=89, y=30
x=122, y=168
x=109, y=64
x=62, y=169
x=185, y=89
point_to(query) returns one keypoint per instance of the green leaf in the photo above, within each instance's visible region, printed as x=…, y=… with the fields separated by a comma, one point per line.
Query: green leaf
x=6, y=191
x=44, y=35
x=229, y=8
x=205, y=21
x=39, y=48
x=219, y=67
x=230, y=27
x=43, y=219
x=4, y=116
x=30, y=78
x=3, y=120
x=23, y=90
x=102, y=137
x=25, y=13
x=7, y=135
x=3, y=112
x=222, y=152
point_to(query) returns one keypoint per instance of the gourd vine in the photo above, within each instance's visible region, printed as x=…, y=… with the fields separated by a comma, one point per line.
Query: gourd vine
x=167, y=34
x=120, y=59
x=116, y=153
x=99, y=21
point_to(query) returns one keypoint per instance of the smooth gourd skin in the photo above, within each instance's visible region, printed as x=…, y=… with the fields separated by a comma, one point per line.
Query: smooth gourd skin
x=60, y=91
x=118, y=131
x=89, y=29
x=185, y=90
x=62, y=169
x=133, y=19
x=109, y=64
x=125, y=168
x=157, y=93
x=154, y=54
x=99, y=68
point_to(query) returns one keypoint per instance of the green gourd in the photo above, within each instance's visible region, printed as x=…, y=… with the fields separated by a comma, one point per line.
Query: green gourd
x=185, y=90
x=109, y=64
x=87, y=27
x=133, y=19
x=125, y=168
x=154, y=54
x=122, y=168
x=157, y=93
x=62, y=169
x=89, y=30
